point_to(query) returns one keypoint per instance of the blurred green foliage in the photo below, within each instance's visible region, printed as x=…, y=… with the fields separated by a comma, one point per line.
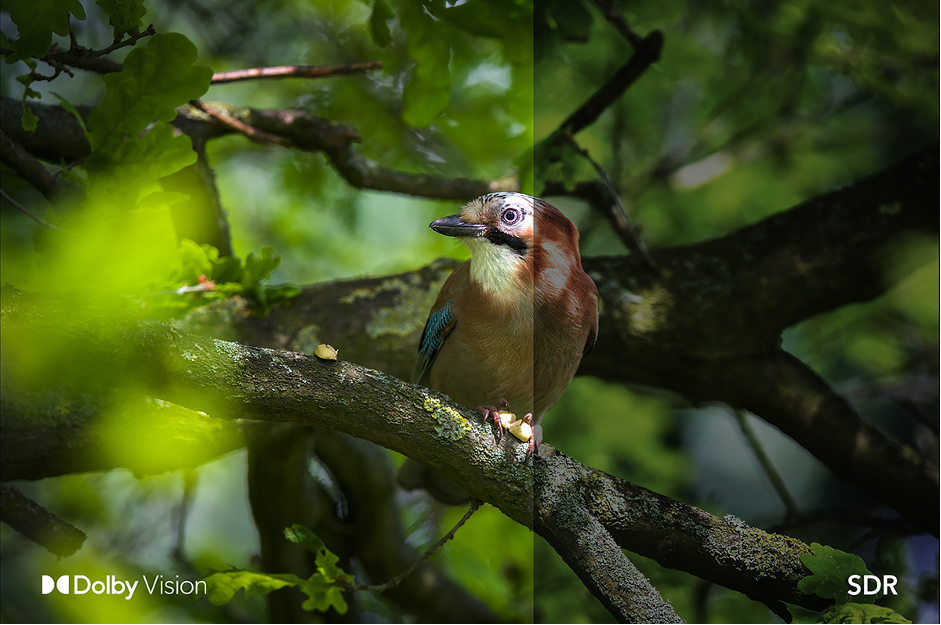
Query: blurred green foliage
x=753, y=108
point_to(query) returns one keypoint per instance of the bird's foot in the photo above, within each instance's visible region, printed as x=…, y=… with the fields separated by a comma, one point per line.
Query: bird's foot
x=522, y=429
x=494, y=413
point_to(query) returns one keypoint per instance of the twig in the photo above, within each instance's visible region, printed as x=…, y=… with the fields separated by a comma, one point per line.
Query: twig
x=38, y=220
x=793, y=512
x=251, y=132
x=615, y=209
x=58, y=66
x=395, y=581
x=79, y=51
x=85, y=58
x=293, y=71
x=618, y=22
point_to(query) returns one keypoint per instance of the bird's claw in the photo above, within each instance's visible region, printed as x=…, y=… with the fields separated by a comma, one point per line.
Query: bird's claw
x=522, y=429
x=493, y=412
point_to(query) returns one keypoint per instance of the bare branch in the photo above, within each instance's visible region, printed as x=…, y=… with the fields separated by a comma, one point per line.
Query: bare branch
x=395, y=581
x=21, y=208
x=793, y=512
x=615, y=212
x=293, y=71
x=85, y=58
x=646, y=53
x=59, y=135
x=256, y=135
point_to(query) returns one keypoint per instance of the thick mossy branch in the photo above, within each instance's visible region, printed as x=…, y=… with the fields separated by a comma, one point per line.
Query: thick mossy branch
x=229, y=380
x=766, y=567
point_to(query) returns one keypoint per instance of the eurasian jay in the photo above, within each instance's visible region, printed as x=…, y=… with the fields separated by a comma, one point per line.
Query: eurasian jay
x=511, y=324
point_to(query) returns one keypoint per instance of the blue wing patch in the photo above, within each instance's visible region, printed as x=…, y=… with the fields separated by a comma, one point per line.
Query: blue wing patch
x=439, y=325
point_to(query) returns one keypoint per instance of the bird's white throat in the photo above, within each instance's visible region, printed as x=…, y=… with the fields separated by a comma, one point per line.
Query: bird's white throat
x=498, y=270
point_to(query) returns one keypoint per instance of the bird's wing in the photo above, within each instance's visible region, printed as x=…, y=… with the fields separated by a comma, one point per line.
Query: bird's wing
x=440, y=323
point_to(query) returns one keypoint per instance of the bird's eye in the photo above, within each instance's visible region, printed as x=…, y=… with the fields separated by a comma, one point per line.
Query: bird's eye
x=511, y=216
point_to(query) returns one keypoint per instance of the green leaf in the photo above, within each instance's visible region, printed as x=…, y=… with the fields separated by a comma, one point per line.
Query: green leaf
x=428, y=92
x=802, y=615
x=36, y=21
x=29, y=119
x=258, y=268
x=282, y=291
x=123, y=15
x=847, y=613
x=300, y=535
x=195, y=260
x=381, y=13
x=323, y=588
x=322, y=595
x=133, y=171
x=831, y=571
x=326, y=560
x=71, y=109
x=222, y=586
x=154, y=81
x=227, y=269
x=157, y=154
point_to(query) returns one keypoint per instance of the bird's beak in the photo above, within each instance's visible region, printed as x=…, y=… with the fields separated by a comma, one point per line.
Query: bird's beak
x=452, y=226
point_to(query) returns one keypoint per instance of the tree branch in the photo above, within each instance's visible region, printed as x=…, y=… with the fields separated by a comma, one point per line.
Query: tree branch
x=677, y=330
x=19, y=160
x=613, y=209
x=231, y=380
x=765, y=567
x=59, y=136
x=365, y=476
x=647, y=52
x=86, y=58
x=38, y=524
x=571, y=527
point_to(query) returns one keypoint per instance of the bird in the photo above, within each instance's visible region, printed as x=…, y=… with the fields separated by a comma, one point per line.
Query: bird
x=510, y=325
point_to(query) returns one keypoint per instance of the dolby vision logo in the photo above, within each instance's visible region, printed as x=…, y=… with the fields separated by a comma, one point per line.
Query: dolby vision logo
x=61, y=584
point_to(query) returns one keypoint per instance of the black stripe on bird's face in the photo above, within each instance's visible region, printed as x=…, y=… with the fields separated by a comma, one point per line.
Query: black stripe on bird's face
x=499, y=237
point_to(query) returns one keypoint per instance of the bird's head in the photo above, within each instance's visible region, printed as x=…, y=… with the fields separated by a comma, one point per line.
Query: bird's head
x=515, y=240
